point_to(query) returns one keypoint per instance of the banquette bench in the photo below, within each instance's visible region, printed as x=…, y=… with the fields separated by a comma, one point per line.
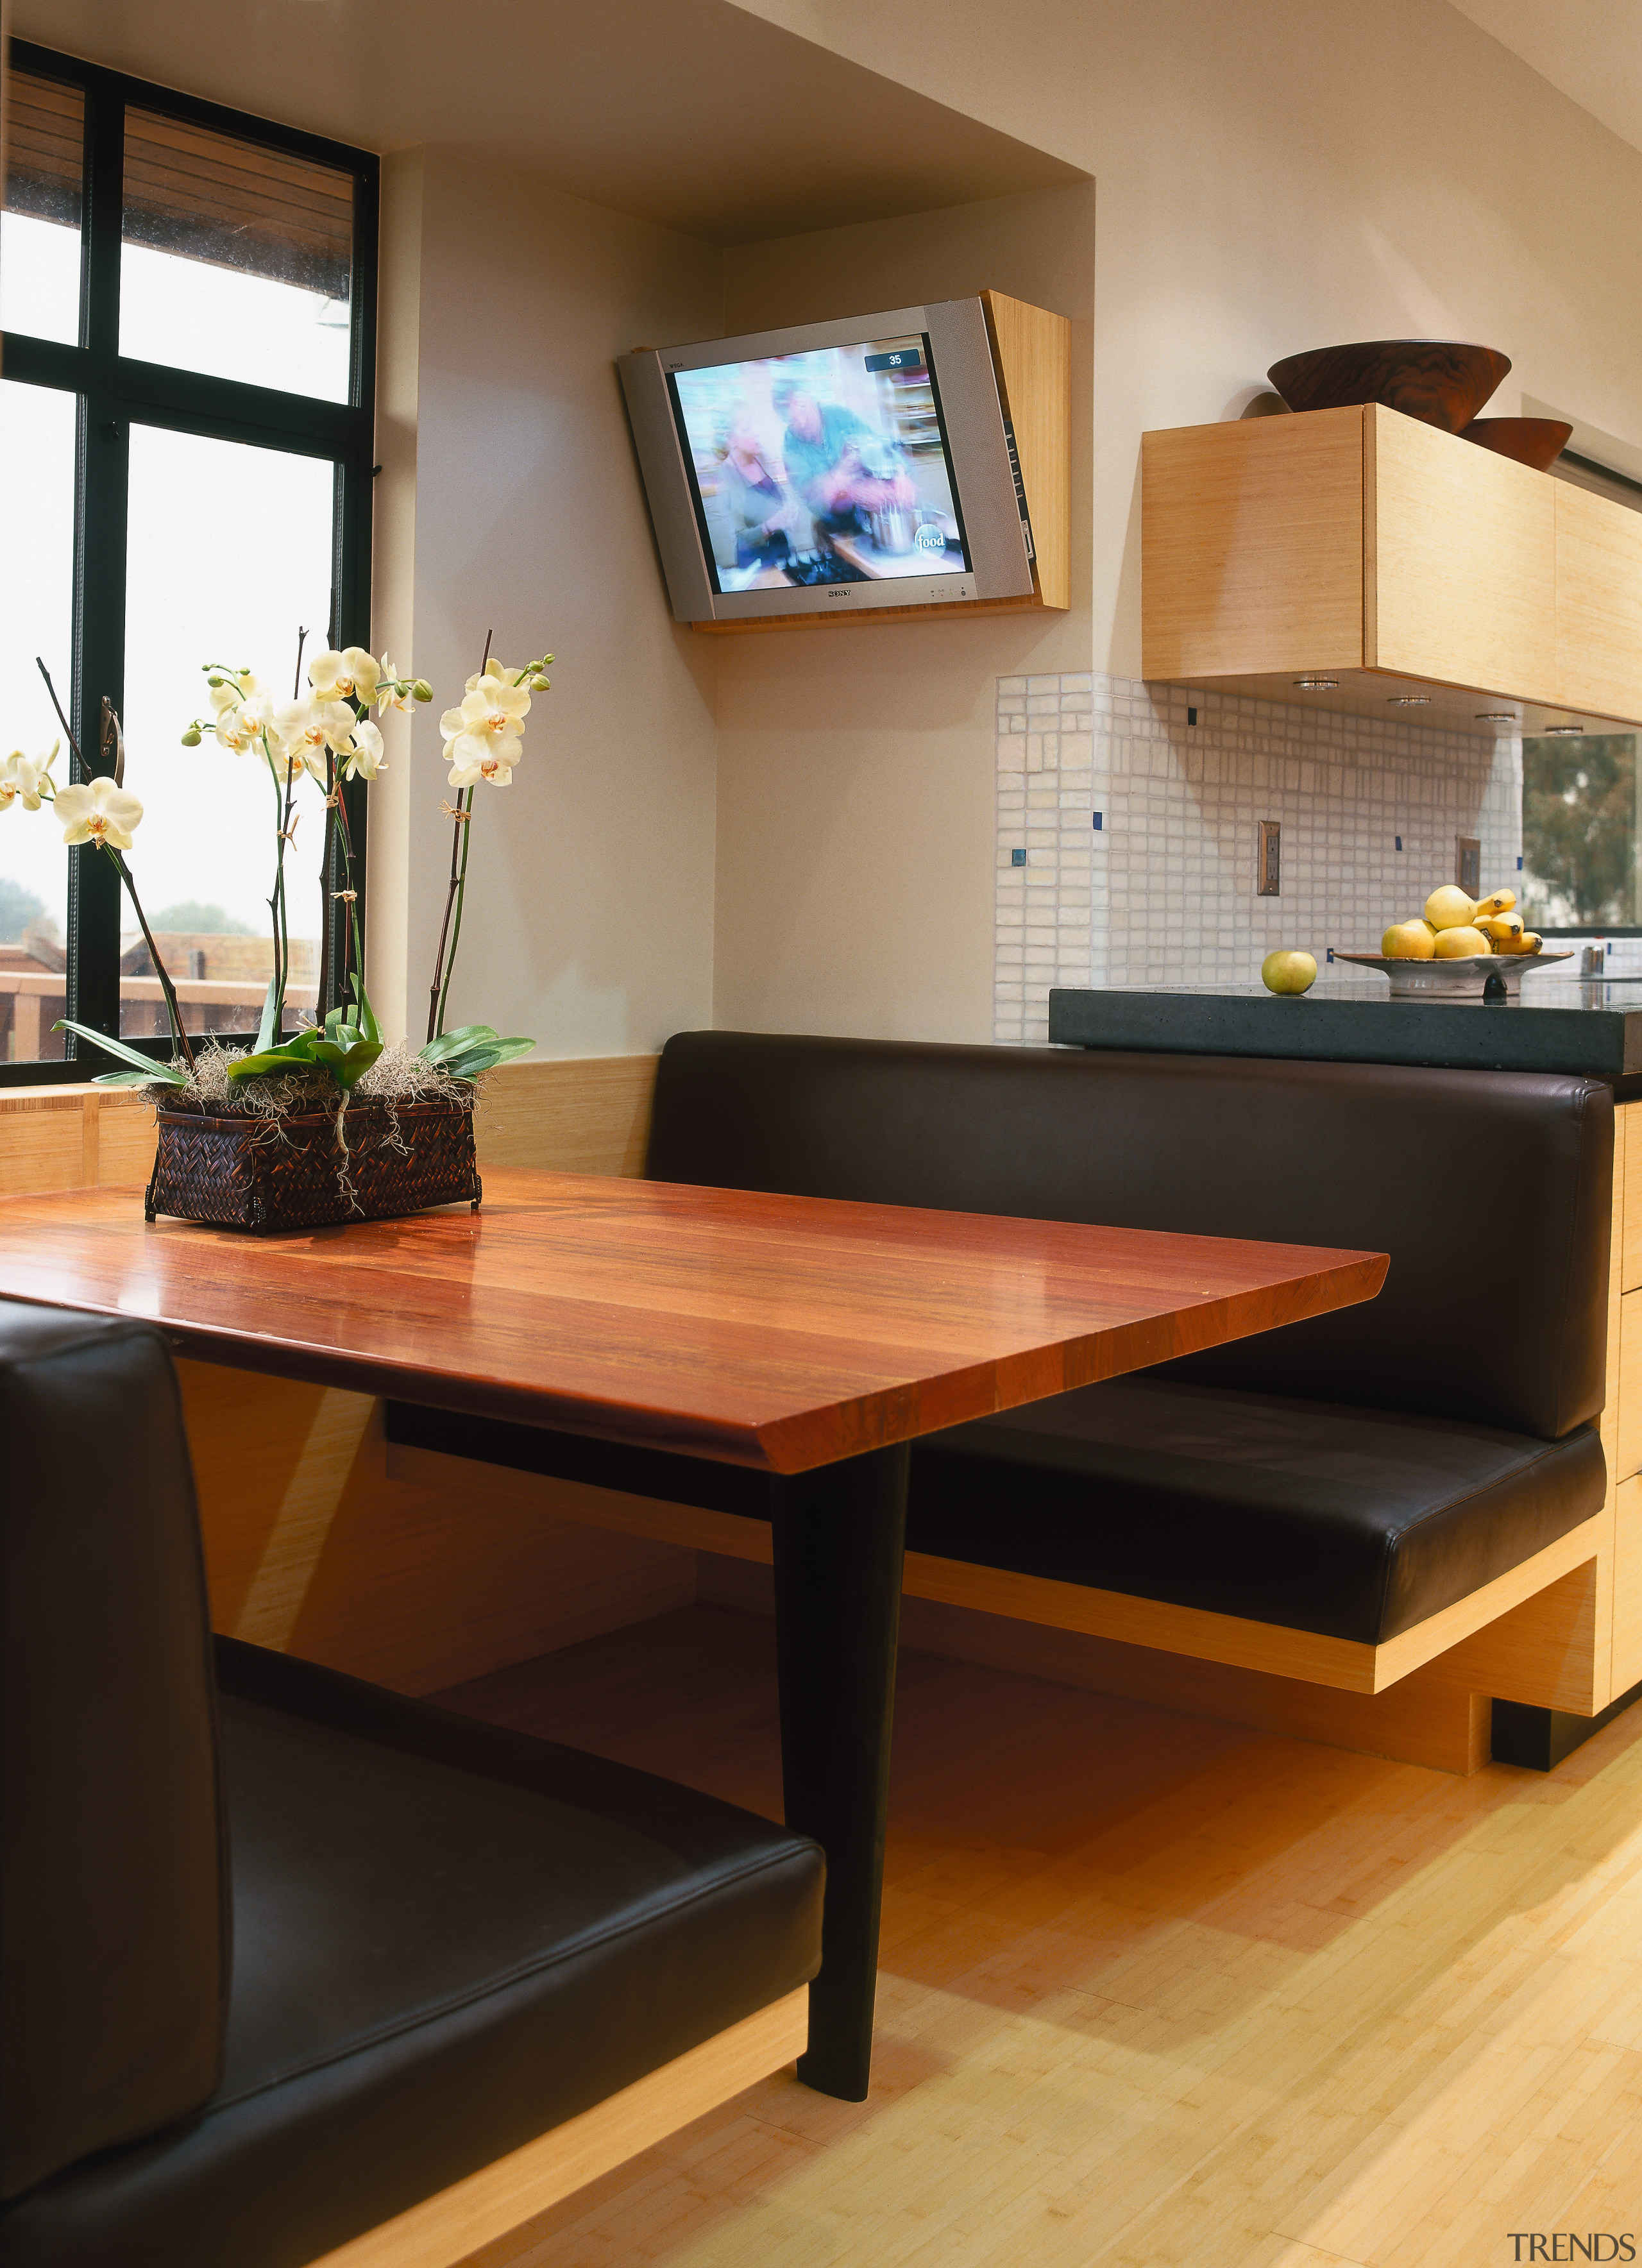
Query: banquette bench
x=1340, y=1500
x=293, y=1969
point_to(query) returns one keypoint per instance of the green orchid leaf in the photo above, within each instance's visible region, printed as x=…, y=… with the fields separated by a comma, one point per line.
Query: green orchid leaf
x=369, y=1028
x=125, y=1078
x=348, y=1065
x=296, y=1055
x=452, y=1043
x=156, y=1074
x=267, y=1030
x=484, y=1056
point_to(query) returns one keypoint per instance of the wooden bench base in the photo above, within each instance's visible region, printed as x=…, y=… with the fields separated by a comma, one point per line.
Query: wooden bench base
x=502, y=2196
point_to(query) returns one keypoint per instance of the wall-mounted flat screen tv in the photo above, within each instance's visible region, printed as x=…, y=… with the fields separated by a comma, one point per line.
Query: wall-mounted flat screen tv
x=837, y=466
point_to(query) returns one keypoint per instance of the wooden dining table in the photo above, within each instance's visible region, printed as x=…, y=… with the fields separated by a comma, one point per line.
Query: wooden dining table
x=808, y=1339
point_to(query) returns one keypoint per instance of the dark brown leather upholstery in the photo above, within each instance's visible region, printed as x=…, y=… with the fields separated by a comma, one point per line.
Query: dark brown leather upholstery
x=1349, y=1476
x=1485, y=1188
x=447, y=1938
x=114, y=1936
x=1356, y=1523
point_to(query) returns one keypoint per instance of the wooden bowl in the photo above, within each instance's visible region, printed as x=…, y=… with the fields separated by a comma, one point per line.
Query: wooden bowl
x=1537, y=441
x=1436, y=380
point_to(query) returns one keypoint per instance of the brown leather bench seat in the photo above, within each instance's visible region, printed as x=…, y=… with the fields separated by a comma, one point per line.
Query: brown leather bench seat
x=1349, y=1476
x=286, y=1954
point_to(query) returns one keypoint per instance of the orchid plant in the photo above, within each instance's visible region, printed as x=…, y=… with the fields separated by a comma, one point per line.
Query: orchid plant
x=326, y=734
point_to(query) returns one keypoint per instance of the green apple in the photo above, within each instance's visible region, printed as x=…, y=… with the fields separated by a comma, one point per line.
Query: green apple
x=1288, y=972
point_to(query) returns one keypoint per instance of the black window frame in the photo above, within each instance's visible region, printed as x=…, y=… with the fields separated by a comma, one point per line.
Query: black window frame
x=114, y=392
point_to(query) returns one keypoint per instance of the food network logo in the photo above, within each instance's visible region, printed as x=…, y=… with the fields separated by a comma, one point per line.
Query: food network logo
x=1563, y=2245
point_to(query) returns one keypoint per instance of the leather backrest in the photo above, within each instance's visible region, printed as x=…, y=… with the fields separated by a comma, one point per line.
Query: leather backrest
x=113, y=1929
x=1491, y=1191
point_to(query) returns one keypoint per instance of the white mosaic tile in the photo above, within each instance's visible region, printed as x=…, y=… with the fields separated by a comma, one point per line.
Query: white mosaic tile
x=1163, y=893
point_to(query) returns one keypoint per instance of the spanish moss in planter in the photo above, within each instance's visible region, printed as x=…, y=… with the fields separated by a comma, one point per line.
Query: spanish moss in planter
x=328, y=1123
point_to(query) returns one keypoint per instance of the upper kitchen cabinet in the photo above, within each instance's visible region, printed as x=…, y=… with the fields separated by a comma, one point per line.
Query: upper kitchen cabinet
x=1403, y=568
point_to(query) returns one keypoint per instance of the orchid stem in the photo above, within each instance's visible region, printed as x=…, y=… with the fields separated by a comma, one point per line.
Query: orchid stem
x=438, y=991
x=74, y=745
x=461, y=893
x=166, y=984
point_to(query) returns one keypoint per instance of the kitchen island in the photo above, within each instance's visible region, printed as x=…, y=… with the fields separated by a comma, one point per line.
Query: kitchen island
x=1560, y=1023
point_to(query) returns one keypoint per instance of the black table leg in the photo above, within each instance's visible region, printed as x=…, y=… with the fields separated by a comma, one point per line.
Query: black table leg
x=840, y=1536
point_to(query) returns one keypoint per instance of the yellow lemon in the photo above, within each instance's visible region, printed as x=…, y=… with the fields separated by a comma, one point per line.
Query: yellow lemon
x=1497, y=901
x=1288, y=972
x=1449, y=908
x=1409, y=940
x=1461, y=943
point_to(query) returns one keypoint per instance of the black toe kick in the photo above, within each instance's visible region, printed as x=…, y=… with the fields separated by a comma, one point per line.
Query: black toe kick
x=1541, y=1738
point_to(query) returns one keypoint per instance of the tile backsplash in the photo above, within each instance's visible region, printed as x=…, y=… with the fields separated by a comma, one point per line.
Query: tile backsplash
x=1141, y=831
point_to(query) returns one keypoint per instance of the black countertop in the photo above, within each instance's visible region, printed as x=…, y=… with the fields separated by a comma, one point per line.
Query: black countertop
x=1559, y=1024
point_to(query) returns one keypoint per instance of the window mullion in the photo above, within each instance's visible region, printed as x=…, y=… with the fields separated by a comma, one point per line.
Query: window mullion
x=101, y=566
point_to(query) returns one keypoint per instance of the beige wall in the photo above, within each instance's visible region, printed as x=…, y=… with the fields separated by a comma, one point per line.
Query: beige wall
x=855, y=766
x=510, y=502
x=1271, y=177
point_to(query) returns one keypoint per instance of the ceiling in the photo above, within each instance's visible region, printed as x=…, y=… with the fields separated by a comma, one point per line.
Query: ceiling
x=1590, y=49
x=690, y=113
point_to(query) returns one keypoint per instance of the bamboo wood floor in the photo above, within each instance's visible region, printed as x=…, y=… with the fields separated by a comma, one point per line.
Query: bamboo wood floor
x=1153, y=1989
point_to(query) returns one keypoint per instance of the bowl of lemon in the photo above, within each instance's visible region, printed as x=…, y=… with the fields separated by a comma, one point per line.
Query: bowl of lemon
x=1460, y=948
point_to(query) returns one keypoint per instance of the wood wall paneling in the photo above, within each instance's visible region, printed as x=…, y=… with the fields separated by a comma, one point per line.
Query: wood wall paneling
x=1627, y=1430
x=584, y=1116
x=312, y=1548
x=1464, y=548
x=1253, y=547
x=1627, y=1591
x=1599, y=603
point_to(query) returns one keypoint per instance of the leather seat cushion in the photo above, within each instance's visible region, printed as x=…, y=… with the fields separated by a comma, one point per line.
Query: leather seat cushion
x=447, y=1938
x=1433, y=1168
x=1355, y=1523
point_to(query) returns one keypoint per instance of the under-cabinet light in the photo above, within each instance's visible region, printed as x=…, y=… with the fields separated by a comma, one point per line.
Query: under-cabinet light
x=1495, y=717
x=1565, y=731
x=1318, y=684
x=1409, y=701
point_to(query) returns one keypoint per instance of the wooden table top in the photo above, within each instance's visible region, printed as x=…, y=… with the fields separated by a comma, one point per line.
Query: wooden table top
x=776, y=1332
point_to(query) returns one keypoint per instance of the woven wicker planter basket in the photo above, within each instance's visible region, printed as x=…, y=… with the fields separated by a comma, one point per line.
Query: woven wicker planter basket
x=247, y=1171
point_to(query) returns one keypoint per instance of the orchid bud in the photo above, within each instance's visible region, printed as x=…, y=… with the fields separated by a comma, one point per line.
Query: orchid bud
x=422, y=690
x=213, y=681
x=191, y=737
x=539, y=684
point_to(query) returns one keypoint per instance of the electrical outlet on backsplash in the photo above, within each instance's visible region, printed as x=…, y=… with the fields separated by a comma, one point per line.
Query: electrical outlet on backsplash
x=1163, y=888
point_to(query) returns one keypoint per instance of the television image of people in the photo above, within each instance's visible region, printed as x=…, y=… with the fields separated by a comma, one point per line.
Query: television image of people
x=824, y=467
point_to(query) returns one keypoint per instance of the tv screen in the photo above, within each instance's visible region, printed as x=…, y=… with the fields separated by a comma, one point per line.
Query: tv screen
x=833, y=468
x=828, y=466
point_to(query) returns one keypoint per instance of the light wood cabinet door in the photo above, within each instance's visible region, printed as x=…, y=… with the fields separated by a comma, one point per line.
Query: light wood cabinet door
x=1598, y=604
x=1462, y=568
x=1253, y=547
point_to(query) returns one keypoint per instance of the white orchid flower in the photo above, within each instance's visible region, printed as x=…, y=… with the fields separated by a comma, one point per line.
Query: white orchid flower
x=315, y=724
x=394, y=689
x=476, y=756
x=352, y=673
x=365, y=759
x=22, y=779
x=228, y=688
x=232, y=732
x=97, y=811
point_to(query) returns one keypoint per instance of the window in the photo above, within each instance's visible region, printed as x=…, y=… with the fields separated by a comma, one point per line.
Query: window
x=186, y=439
x=1581, y=820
